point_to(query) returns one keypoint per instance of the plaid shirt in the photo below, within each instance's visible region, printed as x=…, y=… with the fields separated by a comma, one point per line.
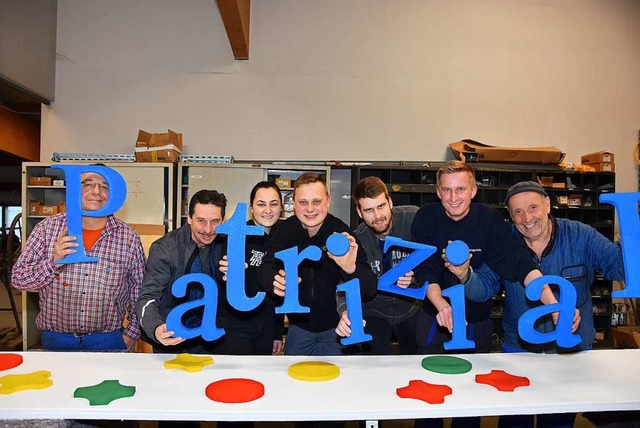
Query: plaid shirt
x=83, y=297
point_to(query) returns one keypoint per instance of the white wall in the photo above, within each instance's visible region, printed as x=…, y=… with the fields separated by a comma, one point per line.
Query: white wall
x=350, y=79
x=28, y=45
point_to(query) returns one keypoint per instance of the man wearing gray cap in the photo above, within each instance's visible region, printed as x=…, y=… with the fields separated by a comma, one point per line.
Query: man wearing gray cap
x=563, y=247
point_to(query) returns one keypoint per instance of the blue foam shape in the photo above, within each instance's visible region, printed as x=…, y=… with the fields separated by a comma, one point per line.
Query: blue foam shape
x=237, y=230
x=626, y=205
x=208, y=329
x=457, y=253
x=291, y=259
x=459, y=332
x=566, y=305
x=338, y=244
x=351, y=289
x=117, y=196
x=389, y=279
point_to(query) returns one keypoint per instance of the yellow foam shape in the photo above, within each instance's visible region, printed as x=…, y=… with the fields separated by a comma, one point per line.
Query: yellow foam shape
x=22, y=382
x=188, y=362
x=314, y=371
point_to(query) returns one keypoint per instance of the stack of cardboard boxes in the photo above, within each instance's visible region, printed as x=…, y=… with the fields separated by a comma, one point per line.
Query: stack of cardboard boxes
x=160, y=147
x=39, y=208
x=601, y=161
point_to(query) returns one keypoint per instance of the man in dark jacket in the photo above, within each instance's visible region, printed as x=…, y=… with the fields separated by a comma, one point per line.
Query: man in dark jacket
x=313, y=333
x=386, y=315
x=190, y=249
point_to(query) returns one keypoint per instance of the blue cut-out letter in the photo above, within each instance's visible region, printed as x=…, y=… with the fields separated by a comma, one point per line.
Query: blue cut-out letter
x=291, y=260
x=627, y=208
x=459, y=332
x=237, y=230
x=566, y=308
x=351, y=290
x=117, y=196
x=387, y=281
x=208, y=328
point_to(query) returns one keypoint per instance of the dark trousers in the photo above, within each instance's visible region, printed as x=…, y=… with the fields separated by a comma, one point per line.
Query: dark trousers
x=248, y=337
x=383, y=332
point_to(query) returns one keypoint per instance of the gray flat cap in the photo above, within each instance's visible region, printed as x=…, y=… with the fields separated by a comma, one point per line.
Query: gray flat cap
x=524, y=186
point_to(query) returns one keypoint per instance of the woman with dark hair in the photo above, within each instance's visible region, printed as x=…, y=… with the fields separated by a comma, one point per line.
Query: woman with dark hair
x=257, y=332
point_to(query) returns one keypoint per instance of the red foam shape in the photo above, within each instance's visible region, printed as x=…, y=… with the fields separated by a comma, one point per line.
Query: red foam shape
x=502, y=380
x=235, y=390
x=428, y=392
x=9, y=361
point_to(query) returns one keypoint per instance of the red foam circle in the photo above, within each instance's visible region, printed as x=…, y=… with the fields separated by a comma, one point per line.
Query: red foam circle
x=235, y=390
x=9, y=361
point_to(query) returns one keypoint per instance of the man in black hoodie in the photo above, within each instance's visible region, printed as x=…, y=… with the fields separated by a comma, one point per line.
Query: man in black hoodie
x=313, y=333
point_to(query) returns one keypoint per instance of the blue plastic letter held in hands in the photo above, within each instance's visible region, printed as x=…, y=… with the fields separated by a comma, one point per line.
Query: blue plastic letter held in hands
x=208, y=328
x=566, y=308
x=351, y=290
x=237, y=230
x=291, y=260
x=388, y=280
x=627, y=208
x=459, y=332
x=117, y=196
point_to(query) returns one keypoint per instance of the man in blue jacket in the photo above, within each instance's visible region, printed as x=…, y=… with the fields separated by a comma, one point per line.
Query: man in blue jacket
x=559, y=246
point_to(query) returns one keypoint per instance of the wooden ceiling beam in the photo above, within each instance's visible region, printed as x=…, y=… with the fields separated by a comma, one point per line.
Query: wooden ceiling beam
x=235, y=15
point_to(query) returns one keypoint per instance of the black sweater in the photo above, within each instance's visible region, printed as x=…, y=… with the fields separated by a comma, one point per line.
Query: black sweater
x=228, y=316
x=488, y=237
x=319, y=278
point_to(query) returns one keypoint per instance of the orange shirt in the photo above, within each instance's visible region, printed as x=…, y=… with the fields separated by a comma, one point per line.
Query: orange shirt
x=89, y=237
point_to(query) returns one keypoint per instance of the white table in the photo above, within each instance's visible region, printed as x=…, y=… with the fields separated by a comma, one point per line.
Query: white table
x=603, y=380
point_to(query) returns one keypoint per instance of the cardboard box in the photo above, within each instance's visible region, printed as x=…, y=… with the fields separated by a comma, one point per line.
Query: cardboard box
x=545, y=181
x=625, y=337
x=473, y=151
x=62, y=207
x=47, y=210
x=33, y=207
x=574, y=200
x=284, y=183
x=597, y=157
x=604, y=166
x=164, y=147
x=58, y=182
x=40, y=181
x=548, y=182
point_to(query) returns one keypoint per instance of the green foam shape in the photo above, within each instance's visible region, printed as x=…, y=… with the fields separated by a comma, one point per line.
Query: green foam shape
x=104, y=393
x=446, y=364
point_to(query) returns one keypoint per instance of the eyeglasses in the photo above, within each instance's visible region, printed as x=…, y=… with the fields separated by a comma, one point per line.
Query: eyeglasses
x=90, y=185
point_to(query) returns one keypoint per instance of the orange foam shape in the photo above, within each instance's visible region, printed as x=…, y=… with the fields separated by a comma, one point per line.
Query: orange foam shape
x=428, y=392
x=502, y=380
x=9, y=361
x=235, y=390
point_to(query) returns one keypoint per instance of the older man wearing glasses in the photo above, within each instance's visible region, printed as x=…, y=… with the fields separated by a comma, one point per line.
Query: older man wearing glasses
x=83, y=305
